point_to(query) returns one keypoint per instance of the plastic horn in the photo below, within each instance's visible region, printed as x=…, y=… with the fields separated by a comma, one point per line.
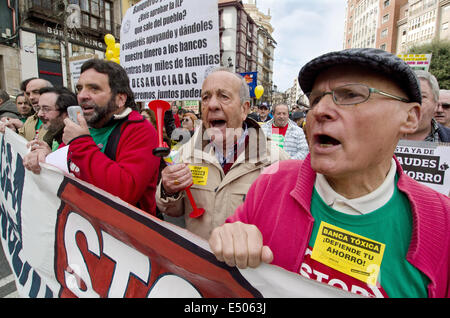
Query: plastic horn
x=159, y=107
x=196, y=211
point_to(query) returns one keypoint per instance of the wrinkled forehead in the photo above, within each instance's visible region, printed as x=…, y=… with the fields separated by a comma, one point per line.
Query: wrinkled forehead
x=35, y=84
x=221, y=80
x=349, y=74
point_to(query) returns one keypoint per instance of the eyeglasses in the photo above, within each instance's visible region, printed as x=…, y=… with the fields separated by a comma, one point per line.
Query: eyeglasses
x=350, y=94
x=445, y=105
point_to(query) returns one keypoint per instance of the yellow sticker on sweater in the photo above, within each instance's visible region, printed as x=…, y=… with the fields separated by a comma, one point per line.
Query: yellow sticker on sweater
x=349, y=253
x=199, y=174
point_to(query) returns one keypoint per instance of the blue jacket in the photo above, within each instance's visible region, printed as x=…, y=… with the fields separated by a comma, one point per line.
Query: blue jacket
x=444, y=133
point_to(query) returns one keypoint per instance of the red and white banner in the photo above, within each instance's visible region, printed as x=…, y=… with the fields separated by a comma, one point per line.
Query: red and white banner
x=66, y=238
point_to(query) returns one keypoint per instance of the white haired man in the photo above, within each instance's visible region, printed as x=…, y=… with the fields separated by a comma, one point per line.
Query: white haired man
x=229, y=151
x=350, y=216
x=429, y=129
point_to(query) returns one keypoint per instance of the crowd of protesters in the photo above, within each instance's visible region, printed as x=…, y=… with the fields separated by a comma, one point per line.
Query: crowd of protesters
x=275, y=173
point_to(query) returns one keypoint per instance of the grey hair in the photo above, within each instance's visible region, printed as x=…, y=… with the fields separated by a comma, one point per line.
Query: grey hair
x=432, y=81
x=244, y=92
x=275, y=106
x=4, y=95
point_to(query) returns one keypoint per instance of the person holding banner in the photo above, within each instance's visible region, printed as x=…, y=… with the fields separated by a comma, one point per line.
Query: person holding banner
x=429, y=129
x=112, y=145
x=53, y=103
x=32, y=128
x=350, y=217
x=221, y=159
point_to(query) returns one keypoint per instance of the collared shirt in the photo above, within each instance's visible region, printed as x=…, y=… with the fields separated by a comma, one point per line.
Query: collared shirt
x=434, y=134
x=238, y=146
x=362, y=205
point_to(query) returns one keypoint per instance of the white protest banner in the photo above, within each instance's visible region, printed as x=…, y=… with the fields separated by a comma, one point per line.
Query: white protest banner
x=65, y=238
x=426, y=162
x=417, y=61
x=168, y=47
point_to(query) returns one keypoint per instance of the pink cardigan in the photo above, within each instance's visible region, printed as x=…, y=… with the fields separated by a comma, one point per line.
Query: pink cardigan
x=279, y=201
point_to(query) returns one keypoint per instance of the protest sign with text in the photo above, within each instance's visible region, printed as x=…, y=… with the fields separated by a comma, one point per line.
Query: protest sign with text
x=168, y=47
x=417, y=61
x=426, y=162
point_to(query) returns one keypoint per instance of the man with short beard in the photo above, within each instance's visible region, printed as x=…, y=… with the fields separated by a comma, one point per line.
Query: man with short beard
x=32, y=129
x=112, y=145
x=52, y=105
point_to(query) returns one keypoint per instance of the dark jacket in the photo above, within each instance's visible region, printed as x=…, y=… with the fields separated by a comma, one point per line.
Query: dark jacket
x=444, y=133
x=9, y=109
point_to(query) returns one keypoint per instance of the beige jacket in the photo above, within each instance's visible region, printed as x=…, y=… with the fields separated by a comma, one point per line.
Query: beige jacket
x=28, y=130
x=222, y=193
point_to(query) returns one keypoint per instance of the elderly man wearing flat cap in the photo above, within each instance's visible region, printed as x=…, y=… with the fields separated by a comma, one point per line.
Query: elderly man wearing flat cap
x=349, y=216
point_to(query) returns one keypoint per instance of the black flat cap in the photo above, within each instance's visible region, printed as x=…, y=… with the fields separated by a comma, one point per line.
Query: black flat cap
x=376, y=60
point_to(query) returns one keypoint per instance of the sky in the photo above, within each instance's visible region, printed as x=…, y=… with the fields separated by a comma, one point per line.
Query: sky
x=303, y=30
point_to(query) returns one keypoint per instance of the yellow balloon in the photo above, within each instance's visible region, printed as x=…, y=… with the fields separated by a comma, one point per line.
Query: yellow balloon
x=259, y=91
x=116, y=50
x=109, y=39
x=109, y=54
x=115, y=60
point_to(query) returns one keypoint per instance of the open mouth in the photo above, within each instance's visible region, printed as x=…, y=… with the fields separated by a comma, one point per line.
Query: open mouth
x=219, y=123
x=87, y=109
x=326, y=141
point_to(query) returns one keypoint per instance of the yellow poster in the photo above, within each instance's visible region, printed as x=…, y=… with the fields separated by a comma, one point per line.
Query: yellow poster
x=199, y=174
x=349, y=253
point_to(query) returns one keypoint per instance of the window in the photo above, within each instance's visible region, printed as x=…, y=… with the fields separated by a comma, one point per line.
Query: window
x=445, y=26
x=81, y=50
x=384, y=33
x=48, y=48
x=95, y=14
x=383, y=47
x=386, y=3
x=385, y=18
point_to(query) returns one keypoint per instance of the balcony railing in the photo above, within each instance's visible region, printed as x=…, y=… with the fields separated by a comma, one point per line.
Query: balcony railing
x=52, y=11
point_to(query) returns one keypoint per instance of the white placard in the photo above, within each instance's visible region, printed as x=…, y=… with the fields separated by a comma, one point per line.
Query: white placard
x=168, y=46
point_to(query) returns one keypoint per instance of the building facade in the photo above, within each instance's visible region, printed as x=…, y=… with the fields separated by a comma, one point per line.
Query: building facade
x=372, y=23
x=426, y=20
x=396, y=25
x=266, y=49
x=238, y=37
x=46, y=31
x=9, y=47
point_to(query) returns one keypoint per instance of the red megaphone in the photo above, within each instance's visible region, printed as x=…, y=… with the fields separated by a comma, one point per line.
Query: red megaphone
x=159, y=107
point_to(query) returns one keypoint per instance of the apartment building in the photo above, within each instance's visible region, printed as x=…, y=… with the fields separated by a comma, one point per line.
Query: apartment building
x=396, y=25
x=372, y=23
x=238, y=37
x=422, y=22
x=265, y=49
